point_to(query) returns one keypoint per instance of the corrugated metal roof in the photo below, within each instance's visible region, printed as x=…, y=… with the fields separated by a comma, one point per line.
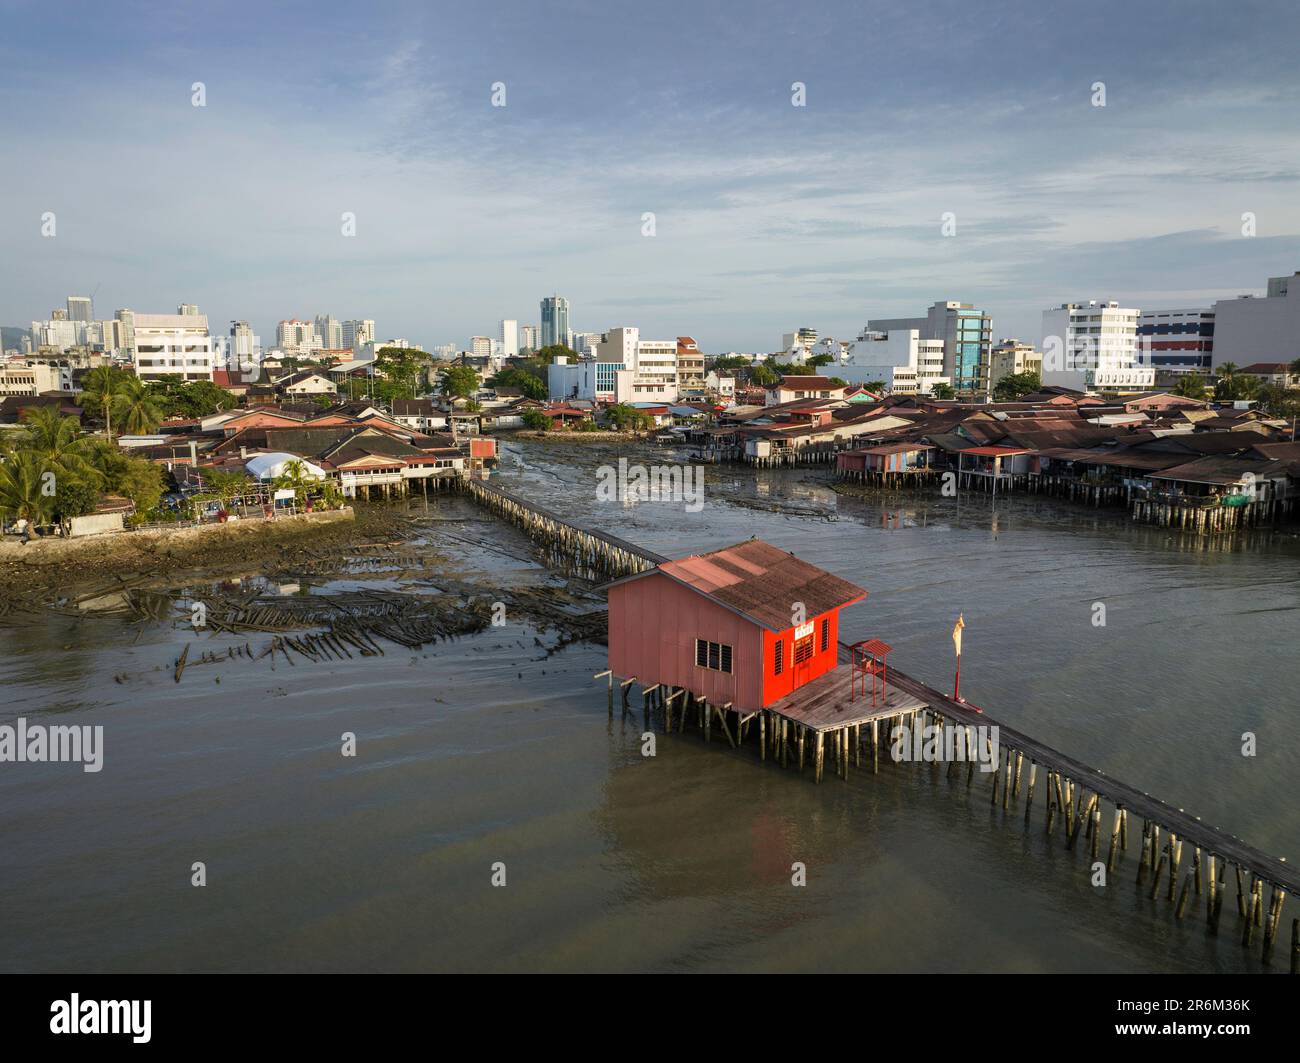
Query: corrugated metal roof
x=763, y=583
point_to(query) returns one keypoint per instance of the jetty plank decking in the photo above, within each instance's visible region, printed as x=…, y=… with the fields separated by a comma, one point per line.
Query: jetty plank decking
x=822, y=718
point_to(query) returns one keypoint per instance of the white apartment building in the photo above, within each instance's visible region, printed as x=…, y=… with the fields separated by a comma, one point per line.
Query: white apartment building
x=509, y=338
x=1093, y=347
x=906, y=363
x=330, y=331
x=530, y=336
x=296, y=336
x=34, y=378
x=649, y=372
x=480, y=346
x=60, y=333
x=173, y=345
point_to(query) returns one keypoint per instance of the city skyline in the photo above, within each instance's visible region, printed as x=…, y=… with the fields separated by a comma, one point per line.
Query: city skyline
x=765, y=214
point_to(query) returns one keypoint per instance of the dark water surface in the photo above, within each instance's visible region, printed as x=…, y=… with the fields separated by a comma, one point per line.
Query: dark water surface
x=487, y=749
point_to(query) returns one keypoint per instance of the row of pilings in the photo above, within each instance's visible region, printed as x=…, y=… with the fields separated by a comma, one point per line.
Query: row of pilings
x=1193, y=880
x=581, y=548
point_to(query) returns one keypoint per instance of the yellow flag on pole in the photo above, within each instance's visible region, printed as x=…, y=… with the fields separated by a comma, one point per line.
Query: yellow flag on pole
x=956, y=633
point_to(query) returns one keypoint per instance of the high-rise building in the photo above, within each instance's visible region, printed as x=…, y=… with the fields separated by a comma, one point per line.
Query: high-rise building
x=509, y=338
x=1093, y=347
x=530, y=337
x=330, y=331
x=1249, y=329
x=358, y=332
x=80, y=308
x=188, y=310
x=244, y=350
x=173, y=345
x=126, y=330
x=480, y=346
x=803, y=338
x=297, y=336
x=967, y=335
x=555, y=321
x=1176, y=342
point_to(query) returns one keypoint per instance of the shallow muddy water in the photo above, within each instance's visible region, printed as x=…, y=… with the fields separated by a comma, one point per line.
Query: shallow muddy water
x=493, y=749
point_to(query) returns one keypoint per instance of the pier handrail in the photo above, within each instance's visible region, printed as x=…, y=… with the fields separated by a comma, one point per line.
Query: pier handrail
x=1188, y=828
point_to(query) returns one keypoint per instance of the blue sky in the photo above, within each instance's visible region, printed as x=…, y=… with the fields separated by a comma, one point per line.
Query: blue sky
x=768, y=216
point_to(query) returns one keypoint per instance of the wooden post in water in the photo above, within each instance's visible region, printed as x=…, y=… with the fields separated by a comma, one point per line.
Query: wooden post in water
x=762, y=736
x=819, y=757
x=1209, y=904
x=1029, y=792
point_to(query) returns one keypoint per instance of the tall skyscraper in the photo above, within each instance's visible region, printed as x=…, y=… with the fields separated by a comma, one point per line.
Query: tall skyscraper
x=330, y=331
x=555, y=321
x=244, y=350
x=80, y=308
x=509, y=338
x=529, y=336
x=357, y=333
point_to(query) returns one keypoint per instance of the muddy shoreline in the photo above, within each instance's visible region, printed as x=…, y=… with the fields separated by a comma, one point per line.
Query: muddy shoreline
x=29, y=576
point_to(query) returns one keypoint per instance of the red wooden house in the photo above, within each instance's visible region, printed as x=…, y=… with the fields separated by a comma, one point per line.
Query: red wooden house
x=722, y=624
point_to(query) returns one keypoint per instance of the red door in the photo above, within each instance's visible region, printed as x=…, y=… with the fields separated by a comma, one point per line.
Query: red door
x=803, y=652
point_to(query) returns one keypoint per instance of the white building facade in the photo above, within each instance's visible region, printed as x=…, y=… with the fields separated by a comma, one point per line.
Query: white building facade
x=1093, y=347
x=173, y=345
x=906, y=363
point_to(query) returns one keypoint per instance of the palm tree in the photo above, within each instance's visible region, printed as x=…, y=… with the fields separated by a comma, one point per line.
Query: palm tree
x=294, y=477
x=21, y=488
x=102, y=384
x=58, y=443
x=1226, y=370
x=1190, y=386
x=136, y=407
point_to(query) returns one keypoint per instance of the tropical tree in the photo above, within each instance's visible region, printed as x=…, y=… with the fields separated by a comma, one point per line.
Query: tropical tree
x=294, y=478
x=226, y=486
x=458, y=382
x=1190, y=386
x=22, y=488
x=536, y=420
x=101, y=387
x=943, y=391
x=623, y=417
x=1015, y=385
x=58, y=443
x=764, y=376
x=137, y=410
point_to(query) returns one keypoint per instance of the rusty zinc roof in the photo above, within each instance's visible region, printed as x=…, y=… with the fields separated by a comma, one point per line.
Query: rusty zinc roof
x=762, y=583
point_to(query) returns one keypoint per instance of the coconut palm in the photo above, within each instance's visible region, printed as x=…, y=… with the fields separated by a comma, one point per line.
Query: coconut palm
x=22, y=482
x=136, y=408
x=102, y=385
x=293, y=478
x=58, y=443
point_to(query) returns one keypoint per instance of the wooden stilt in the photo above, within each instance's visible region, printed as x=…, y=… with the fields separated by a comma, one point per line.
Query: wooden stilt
x=820, y=757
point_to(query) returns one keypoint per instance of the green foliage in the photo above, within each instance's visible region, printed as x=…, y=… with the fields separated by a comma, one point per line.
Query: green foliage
x=21, y=482
x=536, y=420
x=136, y=409
x=73, y=498
x=764, y=376
x=624, y=418
x=730, y=361
x=942, y=391
x=793, y=370
x=458, y=381
x=175, y=397
x=1014, y=385
x=819, y=360
x=531, y=385
x=404, y=368
x=1190, y=386
x=549, y=353
x=839, y=382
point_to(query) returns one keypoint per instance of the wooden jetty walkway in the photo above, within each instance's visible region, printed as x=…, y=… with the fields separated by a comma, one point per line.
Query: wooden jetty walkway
x=822, y=717
x=597, y=549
